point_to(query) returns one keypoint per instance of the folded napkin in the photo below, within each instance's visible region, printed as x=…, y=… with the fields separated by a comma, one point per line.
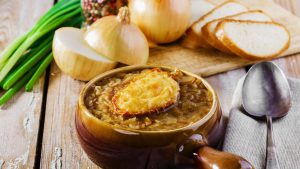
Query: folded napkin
x=247, y=137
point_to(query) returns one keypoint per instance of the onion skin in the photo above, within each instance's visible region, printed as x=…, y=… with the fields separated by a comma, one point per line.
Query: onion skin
x=74, y=64
x=162, y=21
x=116, y=38
x=80, y=67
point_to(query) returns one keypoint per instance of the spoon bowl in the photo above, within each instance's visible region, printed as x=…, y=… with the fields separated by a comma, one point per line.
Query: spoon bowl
x=266, y=94
x=266, y=91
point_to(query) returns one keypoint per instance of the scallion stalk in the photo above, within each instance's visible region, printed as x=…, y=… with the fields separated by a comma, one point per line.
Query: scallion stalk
x=39, y=72
x=31, y=57
x=23, y=68
x=62, y=7
x=10, y=50
x=30, y=40
x=12, y=91
x=25, y=60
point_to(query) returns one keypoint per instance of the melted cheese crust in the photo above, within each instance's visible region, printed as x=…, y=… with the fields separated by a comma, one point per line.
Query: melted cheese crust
x=150, y=91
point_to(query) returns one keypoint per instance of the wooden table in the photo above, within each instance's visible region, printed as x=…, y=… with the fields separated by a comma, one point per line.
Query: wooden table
x=37, y=128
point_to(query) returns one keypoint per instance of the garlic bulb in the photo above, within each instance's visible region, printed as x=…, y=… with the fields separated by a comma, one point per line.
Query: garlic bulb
x=162, y=21
x=118, y=39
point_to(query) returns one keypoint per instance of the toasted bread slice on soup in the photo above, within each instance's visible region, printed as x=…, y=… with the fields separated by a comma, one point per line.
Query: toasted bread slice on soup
x=253, y=40
x=151, y=91
x=209, y=30
x=194, y=37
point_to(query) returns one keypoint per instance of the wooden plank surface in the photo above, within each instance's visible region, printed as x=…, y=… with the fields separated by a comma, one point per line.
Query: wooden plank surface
x=19, y=119
x=60, y=147
x=209, y=62
x=290, y=65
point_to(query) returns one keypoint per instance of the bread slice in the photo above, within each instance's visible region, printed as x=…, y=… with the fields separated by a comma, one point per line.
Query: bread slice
x=253, y=40
x=208, y=31
x=194, y=38
x=200, y=8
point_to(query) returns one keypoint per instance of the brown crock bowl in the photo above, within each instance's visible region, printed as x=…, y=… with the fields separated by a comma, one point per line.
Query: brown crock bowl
x=112, y=147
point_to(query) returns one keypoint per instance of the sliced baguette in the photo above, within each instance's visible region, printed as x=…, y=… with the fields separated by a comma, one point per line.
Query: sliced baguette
x=200, y=8
x=194, y=38
x=253, y=40
x=209, y=30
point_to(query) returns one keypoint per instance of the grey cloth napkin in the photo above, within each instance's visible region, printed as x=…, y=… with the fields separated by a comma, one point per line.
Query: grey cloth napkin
x=247, y=137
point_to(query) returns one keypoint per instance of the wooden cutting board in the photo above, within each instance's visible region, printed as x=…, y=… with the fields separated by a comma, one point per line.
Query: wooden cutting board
x=208, y=62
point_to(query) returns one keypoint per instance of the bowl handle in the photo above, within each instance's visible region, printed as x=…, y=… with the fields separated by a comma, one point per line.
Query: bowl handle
x=208, y=158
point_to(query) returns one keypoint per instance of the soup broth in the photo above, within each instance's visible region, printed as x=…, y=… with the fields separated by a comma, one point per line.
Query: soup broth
x=193, y=102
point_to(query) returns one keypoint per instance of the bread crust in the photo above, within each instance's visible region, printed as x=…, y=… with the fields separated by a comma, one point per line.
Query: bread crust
x=225, y=39
x=193, y=38
x=210, y=37
x=192, y=41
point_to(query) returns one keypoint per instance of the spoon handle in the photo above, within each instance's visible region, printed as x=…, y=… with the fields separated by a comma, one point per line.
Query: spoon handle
x=271, y=159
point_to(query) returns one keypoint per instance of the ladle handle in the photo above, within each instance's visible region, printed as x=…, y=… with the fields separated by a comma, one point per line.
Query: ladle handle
x=271, y=158
x=208, y=158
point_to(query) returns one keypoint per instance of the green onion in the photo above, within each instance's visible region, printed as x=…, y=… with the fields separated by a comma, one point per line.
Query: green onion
x=46, y=25
x=39, y=72
x=61, y=6
x=59, y=15
x=30, y=58
x=41, y=51
x=12, y=91
x=22, y=60
x=9, y=51
x=27, y=58
x=29, y=86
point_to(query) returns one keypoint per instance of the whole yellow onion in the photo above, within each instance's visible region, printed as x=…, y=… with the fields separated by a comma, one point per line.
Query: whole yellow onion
x=162, y=21
x=119, y=40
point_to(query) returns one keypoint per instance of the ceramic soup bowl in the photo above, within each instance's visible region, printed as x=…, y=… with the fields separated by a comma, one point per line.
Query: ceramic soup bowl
x=114, y=147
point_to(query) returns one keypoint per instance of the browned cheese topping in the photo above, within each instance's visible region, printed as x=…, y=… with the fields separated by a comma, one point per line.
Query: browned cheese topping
x=151, y=100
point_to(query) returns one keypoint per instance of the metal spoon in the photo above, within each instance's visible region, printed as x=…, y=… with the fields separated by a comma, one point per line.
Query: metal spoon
x=266, y=94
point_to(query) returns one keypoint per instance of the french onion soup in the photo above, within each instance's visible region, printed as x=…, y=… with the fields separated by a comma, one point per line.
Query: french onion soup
x=149, y=100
